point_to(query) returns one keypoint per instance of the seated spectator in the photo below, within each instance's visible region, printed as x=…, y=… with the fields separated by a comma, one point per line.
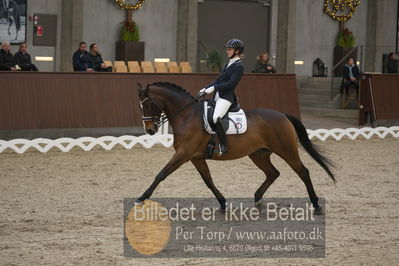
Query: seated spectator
x=23, y=60
x=392, y=63
x=96, y=60
x=7, y=60
x=351, y=75
x=263, y=65
x=81, y=59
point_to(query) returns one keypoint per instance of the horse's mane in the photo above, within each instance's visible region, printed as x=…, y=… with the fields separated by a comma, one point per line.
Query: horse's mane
x=174, y=87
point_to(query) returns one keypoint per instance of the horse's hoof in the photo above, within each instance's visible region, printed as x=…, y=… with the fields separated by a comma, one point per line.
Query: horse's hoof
x=223, y=207
x=259, y=204
x=318, y=211
x=138, y=202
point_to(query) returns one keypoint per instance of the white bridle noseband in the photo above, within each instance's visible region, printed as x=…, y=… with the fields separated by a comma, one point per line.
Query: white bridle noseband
x=157, y=120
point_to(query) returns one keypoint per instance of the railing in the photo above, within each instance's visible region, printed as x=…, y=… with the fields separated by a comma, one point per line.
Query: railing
x=369, y=59
x=128, y=142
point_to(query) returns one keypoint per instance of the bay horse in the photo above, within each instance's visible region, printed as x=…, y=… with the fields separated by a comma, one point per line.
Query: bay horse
x=268, y=132
x=12, y=14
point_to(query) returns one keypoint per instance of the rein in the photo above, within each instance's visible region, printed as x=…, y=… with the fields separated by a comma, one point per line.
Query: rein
x=163, y=118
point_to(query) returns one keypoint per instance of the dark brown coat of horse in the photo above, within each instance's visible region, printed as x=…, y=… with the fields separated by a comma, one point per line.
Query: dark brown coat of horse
x=268, y=132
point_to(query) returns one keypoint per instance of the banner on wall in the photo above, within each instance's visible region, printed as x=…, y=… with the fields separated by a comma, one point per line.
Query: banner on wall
x=13, y=21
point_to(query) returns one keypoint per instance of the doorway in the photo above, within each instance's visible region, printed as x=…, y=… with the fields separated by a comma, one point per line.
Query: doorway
x=221, y=20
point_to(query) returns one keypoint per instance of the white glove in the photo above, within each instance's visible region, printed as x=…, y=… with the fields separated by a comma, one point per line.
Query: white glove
x=209, y=90
x=201, y=93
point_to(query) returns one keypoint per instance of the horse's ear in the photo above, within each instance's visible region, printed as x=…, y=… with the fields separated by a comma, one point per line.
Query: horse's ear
x=140, y=89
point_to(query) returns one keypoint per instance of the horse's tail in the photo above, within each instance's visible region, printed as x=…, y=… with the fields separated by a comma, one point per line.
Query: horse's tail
x=311, y=148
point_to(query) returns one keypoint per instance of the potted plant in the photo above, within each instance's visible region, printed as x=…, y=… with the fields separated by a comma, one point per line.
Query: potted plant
x=345, y=42
x=130, y=31
x=129, y=47
x=215, y=61
x=345, y=39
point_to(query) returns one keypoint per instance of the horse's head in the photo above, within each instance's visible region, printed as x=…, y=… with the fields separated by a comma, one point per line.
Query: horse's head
x=151, y=110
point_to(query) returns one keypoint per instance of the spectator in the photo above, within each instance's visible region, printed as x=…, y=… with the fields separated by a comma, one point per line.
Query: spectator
x=351, y=75
x=263, y=65
x=7, y=60
x=96, y=60
x=392, y=63
x=81, y=59
x=23, y=60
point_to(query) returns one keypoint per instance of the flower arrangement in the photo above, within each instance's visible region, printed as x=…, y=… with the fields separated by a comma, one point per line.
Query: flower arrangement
x=130, y=31
x=345, y=38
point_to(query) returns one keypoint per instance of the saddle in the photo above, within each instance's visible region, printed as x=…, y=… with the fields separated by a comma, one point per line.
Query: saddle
x=234, y=122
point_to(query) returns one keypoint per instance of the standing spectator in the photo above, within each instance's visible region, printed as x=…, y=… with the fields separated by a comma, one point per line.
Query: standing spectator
x=81, y=59
x=263, y=64
x=392, y=63
x=96, y=60
x=351, y=75
x=7, y=60
x=22, y=58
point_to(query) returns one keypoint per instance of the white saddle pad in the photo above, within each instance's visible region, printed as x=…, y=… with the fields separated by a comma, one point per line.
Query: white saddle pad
x=237, y=121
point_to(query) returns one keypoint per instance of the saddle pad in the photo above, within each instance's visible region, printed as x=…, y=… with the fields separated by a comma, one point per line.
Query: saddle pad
x=239, y=125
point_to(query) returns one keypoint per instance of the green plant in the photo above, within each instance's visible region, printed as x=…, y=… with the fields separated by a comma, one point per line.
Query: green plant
x=215, y=60
x=130, y=32
x=345, y=39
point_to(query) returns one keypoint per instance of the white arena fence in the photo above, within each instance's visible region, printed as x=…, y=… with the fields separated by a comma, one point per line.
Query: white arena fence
x=166, y=139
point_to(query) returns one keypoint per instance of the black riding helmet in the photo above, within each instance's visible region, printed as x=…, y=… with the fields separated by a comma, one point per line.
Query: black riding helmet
x=237, y=44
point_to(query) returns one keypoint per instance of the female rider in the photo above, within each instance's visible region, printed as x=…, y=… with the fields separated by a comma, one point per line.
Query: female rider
x=224, y=87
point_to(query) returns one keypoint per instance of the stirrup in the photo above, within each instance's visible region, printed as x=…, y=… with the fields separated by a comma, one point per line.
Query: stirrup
x=223, y=150
x=209, y=151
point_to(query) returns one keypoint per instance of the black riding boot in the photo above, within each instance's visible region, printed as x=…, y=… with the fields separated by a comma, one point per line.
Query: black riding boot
x=222, y=137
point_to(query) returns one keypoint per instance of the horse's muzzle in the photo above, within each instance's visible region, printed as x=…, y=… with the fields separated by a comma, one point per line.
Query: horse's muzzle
x=151, y=131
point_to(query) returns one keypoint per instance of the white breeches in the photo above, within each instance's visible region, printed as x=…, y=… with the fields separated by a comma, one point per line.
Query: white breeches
x=221, y=108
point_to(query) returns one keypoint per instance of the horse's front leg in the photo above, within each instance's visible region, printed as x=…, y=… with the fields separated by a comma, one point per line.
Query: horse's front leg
x=175, y=162
x=203, y=169
x=9, y=26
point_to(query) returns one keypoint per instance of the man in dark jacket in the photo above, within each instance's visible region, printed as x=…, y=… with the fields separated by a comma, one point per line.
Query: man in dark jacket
x=7, y=61
x=351, y=75
x=23, y=59
x=96, y=60
x=392, y=63
x=81, y=59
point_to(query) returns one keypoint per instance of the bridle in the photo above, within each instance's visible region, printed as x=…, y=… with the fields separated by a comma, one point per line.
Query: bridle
x=162, y=119
x=157, y=120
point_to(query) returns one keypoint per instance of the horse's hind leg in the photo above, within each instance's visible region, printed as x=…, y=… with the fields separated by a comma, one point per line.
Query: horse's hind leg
x=303, y=172
x=261, y=158
x=203, y=169
x=9, y=26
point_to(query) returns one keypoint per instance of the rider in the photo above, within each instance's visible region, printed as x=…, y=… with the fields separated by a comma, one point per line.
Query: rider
x=224, y=87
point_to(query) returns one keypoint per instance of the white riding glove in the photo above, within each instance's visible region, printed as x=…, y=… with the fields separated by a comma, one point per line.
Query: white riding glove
x=210, y=90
